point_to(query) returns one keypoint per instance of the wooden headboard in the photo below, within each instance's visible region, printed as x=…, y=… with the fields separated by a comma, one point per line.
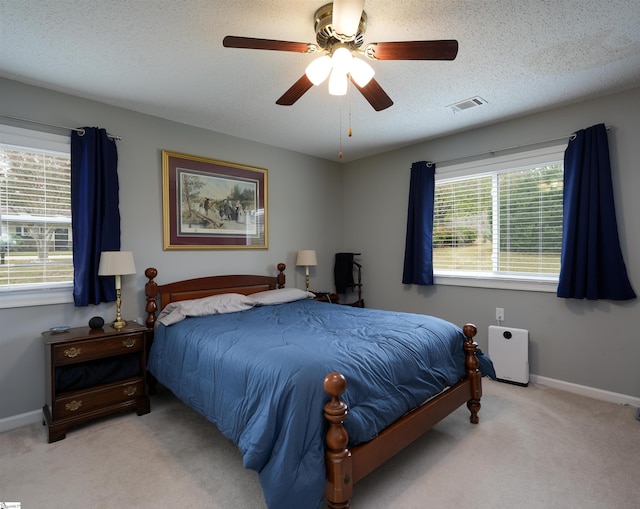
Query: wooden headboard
x=204, y=287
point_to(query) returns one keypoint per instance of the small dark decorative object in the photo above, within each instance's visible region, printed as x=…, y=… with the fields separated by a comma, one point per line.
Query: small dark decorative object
x=96, y=322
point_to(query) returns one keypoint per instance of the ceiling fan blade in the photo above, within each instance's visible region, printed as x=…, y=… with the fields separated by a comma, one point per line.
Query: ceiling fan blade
x=345, y=17
x=296, y=91
x=231, y=41
x=413, y=50
x=373, y=93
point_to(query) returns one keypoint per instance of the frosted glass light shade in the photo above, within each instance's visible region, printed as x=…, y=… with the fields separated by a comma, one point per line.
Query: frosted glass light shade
x=341, y=60
x=338, y=83
x=361, y=72
x=318, y=70
x=346, y=16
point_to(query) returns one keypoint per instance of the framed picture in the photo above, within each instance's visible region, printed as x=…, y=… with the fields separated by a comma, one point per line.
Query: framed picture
x=209, y=204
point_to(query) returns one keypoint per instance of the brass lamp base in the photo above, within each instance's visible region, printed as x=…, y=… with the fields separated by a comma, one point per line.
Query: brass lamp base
x=118, y=323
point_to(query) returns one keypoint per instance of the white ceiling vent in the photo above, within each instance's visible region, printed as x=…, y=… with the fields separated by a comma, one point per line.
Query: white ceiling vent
x=467, y=103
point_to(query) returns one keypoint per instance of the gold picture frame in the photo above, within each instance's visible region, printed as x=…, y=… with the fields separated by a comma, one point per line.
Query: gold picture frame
x=211, y=204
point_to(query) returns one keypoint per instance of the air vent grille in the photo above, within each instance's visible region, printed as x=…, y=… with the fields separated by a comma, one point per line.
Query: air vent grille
x=467, y=104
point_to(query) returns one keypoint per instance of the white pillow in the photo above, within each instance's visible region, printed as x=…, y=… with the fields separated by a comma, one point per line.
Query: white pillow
x=213, y=305
x=280, y=296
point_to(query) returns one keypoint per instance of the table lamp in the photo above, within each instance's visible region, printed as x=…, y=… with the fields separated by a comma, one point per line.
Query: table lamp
x=307, y=258
x=117, y=263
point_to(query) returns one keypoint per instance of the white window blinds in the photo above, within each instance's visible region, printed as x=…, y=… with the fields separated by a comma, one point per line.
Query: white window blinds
x=35, y=210
x=501, y=223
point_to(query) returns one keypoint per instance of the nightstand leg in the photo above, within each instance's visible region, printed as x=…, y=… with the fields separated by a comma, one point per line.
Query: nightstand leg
x=55, y=432
x=143, y=407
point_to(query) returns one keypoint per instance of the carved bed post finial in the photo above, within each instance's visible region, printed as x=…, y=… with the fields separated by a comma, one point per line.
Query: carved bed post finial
x=281, y=277
x=151, y=291
x=338, y=457
x=474, y=375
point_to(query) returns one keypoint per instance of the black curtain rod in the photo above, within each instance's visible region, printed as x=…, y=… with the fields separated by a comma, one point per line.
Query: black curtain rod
x=571, y=136
x=76, y=129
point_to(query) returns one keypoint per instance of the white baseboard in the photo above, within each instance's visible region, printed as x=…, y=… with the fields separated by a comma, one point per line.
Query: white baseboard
x=583, y=390
x=16, y=421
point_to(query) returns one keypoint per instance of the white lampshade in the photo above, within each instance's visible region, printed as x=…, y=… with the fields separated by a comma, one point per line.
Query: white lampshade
x=361, y=72
x=307, y=257
x=318, y=70
x=116, y=263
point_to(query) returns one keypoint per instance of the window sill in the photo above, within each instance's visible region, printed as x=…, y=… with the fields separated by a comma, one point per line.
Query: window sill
x=528, y=285
x=36, y=297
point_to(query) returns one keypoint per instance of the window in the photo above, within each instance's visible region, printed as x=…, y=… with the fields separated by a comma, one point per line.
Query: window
x=499, y=223
x=35, y=218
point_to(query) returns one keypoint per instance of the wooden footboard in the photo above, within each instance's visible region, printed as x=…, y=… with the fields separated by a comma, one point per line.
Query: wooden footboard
x=345, y=467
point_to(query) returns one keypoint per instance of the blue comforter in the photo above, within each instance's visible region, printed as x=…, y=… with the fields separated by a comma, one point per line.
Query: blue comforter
x=257, y=374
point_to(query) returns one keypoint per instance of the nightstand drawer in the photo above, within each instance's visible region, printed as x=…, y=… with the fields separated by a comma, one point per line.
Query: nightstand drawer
x=81, y=351
x=81, y=402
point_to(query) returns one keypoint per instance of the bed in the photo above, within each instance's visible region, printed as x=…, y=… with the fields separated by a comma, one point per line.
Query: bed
x=316, y=395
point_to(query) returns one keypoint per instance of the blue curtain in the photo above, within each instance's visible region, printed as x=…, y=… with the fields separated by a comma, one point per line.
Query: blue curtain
x=592, y=264
x=95, y=213
x=418, y=252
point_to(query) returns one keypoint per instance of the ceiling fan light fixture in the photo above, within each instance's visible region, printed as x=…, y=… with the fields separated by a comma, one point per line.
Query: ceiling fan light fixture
x=340, y=27
x=318, y=70
x=338, y=83
x=361, y=72
x=341, y=59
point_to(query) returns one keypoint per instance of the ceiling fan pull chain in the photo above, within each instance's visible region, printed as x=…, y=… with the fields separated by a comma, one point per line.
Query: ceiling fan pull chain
x=349, y=132
x=340, y=130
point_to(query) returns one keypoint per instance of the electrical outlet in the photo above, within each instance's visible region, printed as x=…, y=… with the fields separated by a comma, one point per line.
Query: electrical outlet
x=500, y=314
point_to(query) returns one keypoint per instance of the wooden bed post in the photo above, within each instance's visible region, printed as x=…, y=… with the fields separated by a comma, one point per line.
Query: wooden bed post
x=281, y=277
x=338, y=458
x=151, y=291
x=474, y=375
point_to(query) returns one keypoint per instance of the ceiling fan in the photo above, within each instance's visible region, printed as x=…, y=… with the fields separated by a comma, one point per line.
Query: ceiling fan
x=340, y=28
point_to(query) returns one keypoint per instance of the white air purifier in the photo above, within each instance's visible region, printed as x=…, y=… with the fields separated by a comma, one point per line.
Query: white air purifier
x=509, y=351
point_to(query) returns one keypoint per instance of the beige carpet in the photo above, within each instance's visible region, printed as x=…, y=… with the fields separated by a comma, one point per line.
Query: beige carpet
x=534, y=448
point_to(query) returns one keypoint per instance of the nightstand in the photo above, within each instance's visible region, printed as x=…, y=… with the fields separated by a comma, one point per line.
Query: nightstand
x=91, y=373
x=333, y=298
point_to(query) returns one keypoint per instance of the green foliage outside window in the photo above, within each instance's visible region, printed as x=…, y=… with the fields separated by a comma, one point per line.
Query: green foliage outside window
x=520, y=211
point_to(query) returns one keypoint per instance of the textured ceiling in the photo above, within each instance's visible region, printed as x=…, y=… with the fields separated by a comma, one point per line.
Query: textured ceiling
x=165, y=58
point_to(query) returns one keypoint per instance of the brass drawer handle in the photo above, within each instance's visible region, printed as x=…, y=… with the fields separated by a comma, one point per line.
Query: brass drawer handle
x=129, y=342
x=73, y=405
x=72, y=352
x=130, y=391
